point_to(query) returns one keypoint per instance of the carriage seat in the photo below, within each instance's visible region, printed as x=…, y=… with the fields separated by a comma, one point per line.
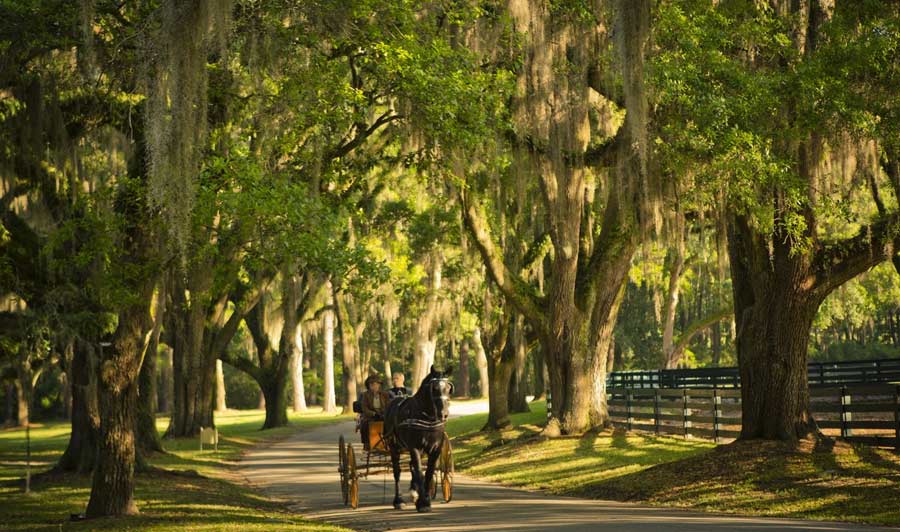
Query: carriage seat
x=376, y=439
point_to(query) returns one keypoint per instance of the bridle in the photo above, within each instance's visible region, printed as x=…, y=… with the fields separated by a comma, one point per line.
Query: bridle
x=434, y=421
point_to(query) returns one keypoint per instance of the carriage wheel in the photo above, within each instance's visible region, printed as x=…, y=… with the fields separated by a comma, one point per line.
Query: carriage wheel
x=342, y=466
x=446, y=462
x=352, y=478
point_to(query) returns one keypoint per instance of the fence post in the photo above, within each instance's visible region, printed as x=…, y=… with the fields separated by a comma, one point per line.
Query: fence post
x=846, y=416
x=629, y=421
x=686, y=412
x=549, y=405
x=716, y=401
x=656, y=409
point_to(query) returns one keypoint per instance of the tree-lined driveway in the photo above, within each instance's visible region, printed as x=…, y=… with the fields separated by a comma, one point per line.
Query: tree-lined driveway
x=302, y=471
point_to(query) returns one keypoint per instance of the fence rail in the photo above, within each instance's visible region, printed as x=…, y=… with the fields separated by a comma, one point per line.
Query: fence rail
x=862, y=413
x=819, y=374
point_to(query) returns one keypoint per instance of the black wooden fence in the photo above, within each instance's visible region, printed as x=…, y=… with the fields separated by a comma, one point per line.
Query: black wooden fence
x=820, y=374
x=862, y=413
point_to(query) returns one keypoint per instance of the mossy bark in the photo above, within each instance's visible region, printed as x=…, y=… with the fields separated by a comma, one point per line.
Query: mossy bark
x=81, y=452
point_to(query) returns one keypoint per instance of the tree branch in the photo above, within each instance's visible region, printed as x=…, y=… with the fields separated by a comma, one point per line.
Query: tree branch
x=244, y=305
x=836, y=263
x=361, y=136
x=513, y=288
x=243, y=364
x=692, y=330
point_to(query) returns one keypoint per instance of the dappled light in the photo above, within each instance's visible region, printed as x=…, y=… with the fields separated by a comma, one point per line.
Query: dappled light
x=568, y=264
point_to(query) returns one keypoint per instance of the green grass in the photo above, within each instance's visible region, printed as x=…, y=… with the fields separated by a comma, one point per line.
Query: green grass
x=842, y=482
x=198, y=490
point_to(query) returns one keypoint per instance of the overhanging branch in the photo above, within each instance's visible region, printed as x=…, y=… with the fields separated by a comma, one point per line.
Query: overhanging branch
x=835, y=263
x=513, y=288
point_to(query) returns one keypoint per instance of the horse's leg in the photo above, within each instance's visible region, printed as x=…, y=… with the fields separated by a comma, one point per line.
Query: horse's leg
x=429, y=476
x=413, y=492
x=415, y=459
x=395, y=465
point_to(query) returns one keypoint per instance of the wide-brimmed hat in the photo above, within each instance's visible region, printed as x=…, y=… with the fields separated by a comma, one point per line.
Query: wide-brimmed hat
x=373, y=378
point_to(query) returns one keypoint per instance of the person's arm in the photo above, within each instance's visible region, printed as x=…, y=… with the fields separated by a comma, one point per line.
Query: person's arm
x=367, y=406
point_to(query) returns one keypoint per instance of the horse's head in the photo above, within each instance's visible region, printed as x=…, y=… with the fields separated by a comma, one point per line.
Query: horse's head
x=438, y=387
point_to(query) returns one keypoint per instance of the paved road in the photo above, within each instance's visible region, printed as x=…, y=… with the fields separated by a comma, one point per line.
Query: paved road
x=303, y=472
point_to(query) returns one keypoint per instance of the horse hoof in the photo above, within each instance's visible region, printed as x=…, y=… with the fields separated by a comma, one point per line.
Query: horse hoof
x=423, y=509
x=414, y=495
x=399, y=506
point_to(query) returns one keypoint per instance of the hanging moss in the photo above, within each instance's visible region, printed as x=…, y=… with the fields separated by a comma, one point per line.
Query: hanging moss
x=177, y=103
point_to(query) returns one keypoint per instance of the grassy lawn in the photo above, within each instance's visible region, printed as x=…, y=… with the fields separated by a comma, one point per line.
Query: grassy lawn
x=199, y=492
x=843, y=482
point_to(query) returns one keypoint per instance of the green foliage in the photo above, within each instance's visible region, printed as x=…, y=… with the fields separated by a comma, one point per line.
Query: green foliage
x=721, y=78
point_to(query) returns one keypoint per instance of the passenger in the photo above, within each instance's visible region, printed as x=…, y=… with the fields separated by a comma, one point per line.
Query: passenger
x=399, y=390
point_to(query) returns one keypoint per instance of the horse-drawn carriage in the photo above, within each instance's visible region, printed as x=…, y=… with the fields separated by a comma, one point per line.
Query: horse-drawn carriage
x=415, y=431
x=377, y=460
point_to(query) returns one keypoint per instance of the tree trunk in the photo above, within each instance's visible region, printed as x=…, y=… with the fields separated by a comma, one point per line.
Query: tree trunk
x=425, y=336
x=716, y=344
x=10, y=403
x=517, y=401
x=112, y=488
x=774, y=318
x=112, y=491
x=81, y=452
x=274, y=389
x=194, y=369
x=146, y=434
x=540, y=376
x=329, y=403
x=482, y=364
x=221, y=405
x=676, y=269
x=166, y=386
x=501, y=364
x=385, y=333
x=299, y=399
x=772, y=350
x=312, y=392
x=148, y=441
x=501, y=371
x=577, y=363
x=463, y=380
x=348, y=352
x=23, y=387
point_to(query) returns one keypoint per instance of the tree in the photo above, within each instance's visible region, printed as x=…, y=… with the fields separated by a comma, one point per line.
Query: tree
x=775, y=149
x=574, y=320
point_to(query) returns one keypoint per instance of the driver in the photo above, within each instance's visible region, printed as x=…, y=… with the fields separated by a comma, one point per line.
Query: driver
x=373, y=403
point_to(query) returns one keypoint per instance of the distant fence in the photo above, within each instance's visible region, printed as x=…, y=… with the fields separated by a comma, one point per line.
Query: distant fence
x=863, y=413
x=820, y=374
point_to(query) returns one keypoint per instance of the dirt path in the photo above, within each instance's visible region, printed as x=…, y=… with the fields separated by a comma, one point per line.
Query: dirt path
x=303, y=472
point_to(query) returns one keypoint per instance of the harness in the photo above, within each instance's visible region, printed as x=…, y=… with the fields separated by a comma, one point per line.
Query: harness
x=422, y=424
x=431, y=423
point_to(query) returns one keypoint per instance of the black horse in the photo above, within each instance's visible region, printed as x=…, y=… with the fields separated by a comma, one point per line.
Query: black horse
x=416, y=424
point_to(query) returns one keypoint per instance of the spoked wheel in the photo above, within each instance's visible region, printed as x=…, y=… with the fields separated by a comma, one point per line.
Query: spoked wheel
x=342, y=467
x=352, y=479
x=446, y=467
x=443, y=473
